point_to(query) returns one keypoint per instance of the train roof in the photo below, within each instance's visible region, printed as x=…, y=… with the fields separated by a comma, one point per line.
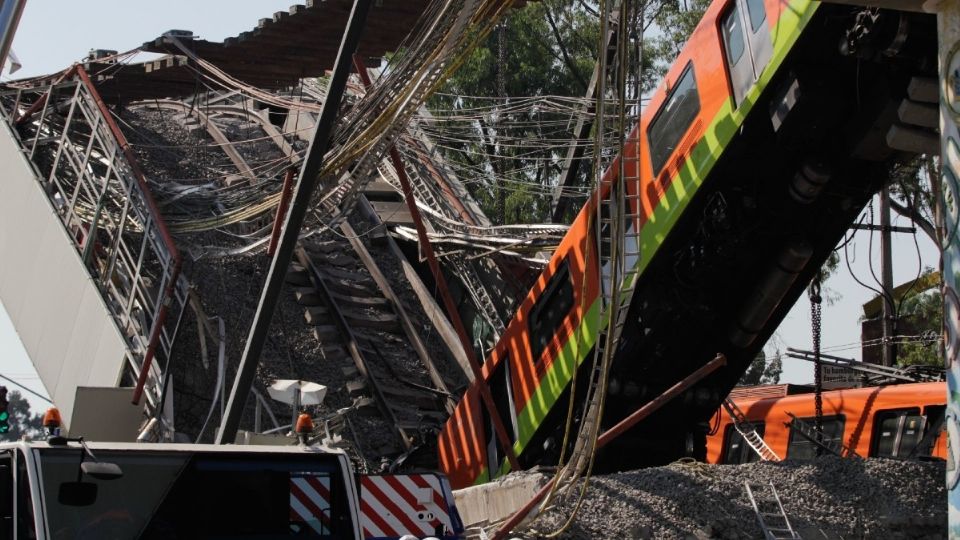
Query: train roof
x=754, y=394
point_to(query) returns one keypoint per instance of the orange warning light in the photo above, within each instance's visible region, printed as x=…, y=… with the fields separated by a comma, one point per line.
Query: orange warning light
x=304, y=424
x=51, y=419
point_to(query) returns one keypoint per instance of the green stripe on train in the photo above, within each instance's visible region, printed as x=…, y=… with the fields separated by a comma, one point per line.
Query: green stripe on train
x=706, y=153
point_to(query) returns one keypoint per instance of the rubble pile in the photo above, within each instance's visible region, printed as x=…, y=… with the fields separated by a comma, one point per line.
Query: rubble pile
x=828, y=498
x=192, y=177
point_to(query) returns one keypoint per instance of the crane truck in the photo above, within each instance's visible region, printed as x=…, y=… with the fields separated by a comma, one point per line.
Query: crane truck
x=66, y=488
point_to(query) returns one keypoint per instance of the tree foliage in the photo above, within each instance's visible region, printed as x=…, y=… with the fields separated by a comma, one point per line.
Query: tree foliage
x=923, y=312
x=760, y=371
x=22, y=420
x=547, y=48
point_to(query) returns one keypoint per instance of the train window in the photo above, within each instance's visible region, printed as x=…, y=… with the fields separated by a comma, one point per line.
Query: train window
x=502, y=392
x=501, y=389
x=756, y=13
x=801, y=447
x=736, y=450
x=897, y=433
x=550, y=309
x=733, y=36
x=673, y=119
x=743, y=29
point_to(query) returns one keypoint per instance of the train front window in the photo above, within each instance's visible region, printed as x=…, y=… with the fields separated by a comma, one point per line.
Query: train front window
x=897, y=432
x=800, y=447
x=736, y=450
x=550, y=309
x=673, y=119
x=184, y=495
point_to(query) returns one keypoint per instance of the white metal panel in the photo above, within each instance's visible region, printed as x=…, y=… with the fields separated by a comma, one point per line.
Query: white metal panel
x=55, y=307
x=107, y=362
x=21, y=244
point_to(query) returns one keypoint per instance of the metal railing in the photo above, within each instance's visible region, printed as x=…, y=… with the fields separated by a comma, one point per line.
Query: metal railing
x=85, y=166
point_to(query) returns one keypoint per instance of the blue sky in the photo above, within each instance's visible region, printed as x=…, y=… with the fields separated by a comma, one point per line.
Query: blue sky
x=54, y=33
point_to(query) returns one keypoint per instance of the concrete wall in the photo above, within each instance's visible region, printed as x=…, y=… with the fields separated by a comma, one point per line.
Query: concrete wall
x=949, y=34
x=55, y=307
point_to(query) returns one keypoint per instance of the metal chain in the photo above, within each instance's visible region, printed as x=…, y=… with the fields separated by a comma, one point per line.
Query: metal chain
x=816, y=302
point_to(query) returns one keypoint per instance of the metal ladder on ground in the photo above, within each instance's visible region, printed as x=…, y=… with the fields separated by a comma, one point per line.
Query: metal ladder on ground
x=769, y=510
x=749, y=433
x=810, y=433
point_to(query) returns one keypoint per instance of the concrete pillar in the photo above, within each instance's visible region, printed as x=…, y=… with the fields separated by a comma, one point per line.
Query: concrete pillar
x=949, y=35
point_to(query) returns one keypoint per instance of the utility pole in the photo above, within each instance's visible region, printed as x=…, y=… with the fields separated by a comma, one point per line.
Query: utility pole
x=886, y=271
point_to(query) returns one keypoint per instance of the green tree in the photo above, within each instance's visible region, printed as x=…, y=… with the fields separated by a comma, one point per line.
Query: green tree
x=504, y=149
x=674, y=20
x=22, y=421
x=922, y=313
x=761, y=371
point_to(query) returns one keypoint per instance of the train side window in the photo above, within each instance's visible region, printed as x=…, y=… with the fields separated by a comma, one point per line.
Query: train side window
x=673, y=119
x=897, y=432
x=756, y=13
x=550, y=309
x=733, y=40
x=736, y=450
x=801, y=447
x=743, y=29
x=501, y=390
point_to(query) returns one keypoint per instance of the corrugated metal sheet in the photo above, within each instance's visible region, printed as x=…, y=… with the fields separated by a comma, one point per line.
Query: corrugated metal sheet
x=746, y=393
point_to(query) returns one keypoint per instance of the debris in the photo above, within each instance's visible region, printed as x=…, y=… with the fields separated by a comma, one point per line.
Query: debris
x=829, y=498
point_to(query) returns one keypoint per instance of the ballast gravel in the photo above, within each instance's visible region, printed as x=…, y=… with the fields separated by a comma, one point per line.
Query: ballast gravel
x=829, y=498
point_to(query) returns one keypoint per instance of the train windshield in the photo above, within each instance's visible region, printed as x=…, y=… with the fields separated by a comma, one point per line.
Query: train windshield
x=196, y=495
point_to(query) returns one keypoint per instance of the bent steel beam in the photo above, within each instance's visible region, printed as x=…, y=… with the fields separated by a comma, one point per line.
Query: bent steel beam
x=609, y=435
x=309, y=174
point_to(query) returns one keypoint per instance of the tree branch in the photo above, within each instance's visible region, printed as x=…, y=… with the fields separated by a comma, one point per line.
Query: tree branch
x=563, y=49
x=913, y=215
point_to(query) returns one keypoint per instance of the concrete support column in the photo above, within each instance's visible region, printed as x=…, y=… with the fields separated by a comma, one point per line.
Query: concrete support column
x=949, y=35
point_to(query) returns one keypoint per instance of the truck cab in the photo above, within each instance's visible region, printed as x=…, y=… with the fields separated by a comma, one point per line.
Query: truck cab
x=169, y=491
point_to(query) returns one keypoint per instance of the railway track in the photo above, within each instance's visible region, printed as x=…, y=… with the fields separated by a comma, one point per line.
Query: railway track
x=354, y=320
x=358, y=320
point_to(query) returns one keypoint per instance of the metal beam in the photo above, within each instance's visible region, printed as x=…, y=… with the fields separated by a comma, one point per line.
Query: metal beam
x=312, y=165
x=614, y=432
x=451, y=306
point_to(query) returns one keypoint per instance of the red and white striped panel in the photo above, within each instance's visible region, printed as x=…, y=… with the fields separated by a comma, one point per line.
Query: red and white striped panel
x=394, y=505
x=310, y=501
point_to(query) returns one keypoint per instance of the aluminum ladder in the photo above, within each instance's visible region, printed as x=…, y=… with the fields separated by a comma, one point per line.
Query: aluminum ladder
x=769, y=510
x=749, y=433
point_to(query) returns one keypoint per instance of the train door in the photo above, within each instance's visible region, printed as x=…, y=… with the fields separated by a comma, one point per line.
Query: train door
x=501, y=389
x=747, y=44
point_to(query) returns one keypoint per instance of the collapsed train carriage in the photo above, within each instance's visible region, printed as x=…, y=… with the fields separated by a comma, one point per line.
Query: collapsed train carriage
x=774, y=127
x=903, y=421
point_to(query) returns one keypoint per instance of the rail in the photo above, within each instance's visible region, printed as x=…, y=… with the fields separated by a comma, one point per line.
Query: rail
x=92, y=179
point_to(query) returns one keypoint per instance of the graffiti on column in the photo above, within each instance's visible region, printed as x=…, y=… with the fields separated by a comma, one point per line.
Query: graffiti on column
x=950, y=172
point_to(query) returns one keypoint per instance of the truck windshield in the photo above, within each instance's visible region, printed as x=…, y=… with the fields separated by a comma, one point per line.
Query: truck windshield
x=200, y=495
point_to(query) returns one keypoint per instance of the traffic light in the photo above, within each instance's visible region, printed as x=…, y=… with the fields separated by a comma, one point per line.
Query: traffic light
x=4, y=413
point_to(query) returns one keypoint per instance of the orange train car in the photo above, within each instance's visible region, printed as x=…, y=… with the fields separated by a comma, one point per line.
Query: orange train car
x=762, y=145
x=899, y=421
